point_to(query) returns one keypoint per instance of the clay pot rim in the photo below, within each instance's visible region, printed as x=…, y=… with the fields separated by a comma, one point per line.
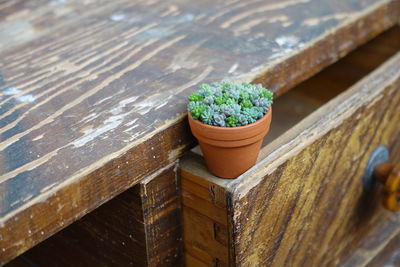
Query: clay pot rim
x=232, y=129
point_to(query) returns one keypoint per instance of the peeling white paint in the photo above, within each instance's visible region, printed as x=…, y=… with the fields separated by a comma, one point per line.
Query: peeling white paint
x=151, y=102
x=103, y=100
x=118, y=17
x=89, y=117
x=289, y=41
x=233, y=68
x=131, y=122
x=131, y=128
x=11, y=91
x=118, y=109
x=26, y=98
x=162, y=104
x=15, y=203
x=90, y=134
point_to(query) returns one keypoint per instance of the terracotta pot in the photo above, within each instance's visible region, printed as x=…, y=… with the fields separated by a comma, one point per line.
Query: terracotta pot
x=230, y=151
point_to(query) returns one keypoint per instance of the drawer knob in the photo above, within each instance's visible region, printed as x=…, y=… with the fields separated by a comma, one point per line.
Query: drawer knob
x=388, y=175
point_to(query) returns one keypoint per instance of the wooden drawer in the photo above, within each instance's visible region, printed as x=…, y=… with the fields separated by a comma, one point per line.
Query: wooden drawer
x=303, y=204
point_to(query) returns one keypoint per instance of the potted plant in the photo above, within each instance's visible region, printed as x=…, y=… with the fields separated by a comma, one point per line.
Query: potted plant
x=230, y=121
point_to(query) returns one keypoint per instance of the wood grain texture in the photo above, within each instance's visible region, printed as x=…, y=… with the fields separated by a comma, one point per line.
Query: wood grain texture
x=46, y=217
x=379, y=247
x=140, y=227
x=303, y=204
x=390, y=256
x=204, y=218
x=324, y=213
x=94, y=86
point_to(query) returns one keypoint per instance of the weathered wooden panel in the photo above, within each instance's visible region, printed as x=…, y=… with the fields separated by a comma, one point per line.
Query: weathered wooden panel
x=378, y=245
x=303, y=204
x=390, y=256
x=205, y=220
x=312, y=186
x=140, y=227
x=47, y=216
x=26, y=21
x=81, y=98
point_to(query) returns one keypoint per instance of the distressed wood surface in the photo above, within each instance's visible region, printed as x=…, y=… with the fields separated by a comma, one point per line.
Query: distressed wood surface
x=206, y=235
x=303, y=204
x=389, y=256
x=87, y=89
x=140, y=227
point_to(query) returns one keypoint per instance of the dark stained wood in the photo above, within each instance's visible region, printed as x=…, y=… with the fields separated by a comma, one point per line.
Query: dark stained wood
x=390, y=256
x=54, y=213
x=93, y=88
x=303, y=204
x=140, y=227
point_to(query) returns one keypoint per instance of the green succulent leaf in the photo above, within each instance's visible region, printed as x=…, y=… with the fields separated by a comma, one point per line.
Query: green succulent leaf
x=246, y=103
x=231, y=121
x=219, y=100
x=195, y=97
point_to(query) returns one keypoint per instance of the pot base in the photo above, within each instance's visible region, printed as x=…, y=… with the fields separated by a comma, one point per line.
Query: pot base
x=230, y=162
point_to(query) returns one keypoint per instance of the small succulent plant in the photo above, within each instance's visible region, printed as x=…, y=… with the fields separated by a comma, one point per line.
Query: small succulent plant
x=228, y=104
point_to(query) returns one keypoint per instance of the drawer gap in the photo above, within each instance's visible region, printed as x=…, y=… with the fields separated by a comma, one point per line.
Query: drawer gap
x=299, y=102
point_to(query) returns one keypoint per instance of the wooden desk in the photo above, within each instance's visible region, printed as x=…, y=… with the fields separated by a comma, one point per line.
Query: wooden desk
x=93, y=94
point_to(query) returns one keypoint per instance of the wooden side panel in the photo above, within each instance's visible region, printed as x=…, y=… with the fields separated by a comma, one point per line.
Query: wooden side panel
x=140, y=227
x=163, y=219
x=305, y=204
x=46, y=217
x=206, y=239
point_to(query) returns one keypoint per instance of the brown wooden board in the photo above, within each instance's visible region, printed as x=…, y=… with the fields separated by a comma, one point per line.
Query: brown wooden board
x=303, y=204
x=94, y=87
x=140, y=227
x=389, y=256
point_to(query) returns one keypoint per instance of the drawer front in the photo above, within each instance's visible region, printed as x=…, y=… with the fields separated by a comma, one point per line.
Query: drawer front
x=304, y=204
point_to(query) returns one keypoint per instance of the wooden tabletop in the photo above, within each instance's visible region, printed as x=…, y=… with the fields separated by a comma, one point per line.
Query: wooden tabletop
x=93, y=93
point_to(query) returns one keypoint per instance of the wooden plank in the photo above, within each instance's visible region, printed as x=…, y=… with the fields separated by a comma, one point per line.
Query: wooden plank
x=319, y=171
x=323, y=212
x=140, y=227
x=205, y=221
x=35, y=225
x=303, y=203
x=99, y=91
x=379, y=247
x=390, y=256
x=25, y=21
